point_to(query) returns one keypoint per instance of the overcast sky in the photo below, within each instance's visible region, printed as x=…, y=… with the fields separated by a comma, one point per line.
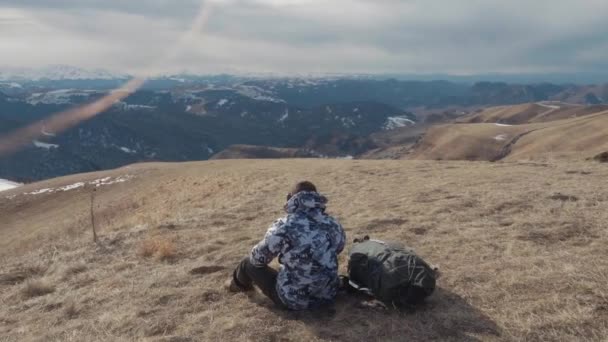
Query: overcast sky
x=309, y=36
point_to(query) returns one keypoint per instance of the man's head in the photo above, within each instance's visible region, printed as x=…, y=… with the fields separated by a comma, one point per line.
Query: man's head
x=300, y=187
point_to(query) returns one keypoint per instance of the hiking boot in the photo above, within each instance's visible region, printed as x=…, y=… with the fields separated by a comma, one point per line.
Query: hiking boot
x=233, y=287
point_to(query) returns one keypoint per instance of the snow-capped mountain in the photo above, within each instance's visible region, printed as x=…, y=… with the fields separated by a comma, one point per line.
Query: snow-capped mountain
x=57, y=72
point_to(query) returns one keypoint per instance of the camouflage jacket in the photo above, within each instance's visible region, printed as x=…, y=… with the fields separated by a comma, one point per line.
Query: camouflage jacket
x=307, y=242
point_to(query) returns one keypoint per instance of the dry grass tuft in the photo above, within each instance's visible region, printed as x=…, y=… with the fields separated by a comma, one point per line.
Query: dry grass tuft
x=37, y=288
x=161, y=248
x=74, y=270
x=70, y=311
x=162, y=326
x=564, y=198
x=207, y=269
x=18, y=276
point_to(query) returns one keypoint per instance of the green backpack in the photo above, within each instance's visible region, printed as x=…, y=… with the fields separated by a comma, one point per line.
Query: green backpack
x=393, y=273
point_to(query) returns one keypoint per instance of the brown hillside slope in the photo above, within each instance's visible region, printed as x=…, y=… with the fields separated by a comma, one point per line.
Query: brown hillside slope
x=516, y=114
x=580, y=138
x=531, y=113
x=466, y=141
x=395, y=143
x=521, y=248
x=259, y=152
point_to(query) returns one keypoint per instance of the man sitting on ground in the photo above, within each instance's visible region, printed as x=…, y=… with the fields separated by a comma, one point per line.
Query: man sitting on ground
x=307, y=242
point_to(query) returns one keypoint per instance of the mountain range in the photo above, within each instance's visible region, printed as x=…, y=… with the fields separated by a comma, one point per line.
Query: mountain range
x=179, y=118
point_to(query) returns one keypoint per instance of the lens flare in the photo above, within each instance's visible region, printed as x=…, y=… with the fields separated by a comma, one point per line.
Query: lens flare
x=62, y=121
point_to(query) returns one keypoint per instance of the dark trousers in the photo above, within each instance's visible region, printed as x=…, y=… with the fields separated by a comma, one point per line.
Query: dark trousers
x=265, y=278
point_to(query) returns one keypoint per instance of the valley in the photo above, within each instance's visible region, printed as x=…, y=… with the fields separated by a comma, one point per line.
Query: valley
x=184, y=118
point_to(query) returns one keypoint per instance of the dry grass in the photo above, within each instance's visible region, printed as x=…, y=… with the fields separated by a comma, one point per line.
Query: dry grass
x=577, y=138
x=521, y=248
x=158, y=247
x=259, y=152
x=531, y=113
x=70, y=310
x=36, y=288
x=21, y=274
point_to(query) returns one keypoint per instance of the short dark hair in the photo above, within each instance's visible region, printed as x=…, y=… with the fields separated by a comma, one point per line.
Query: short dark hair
x=303, y=186
x=300, y=187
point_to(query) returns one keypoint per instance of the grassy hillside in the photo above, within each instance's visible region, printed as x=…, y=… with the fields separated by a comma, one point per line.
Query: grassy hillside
x=579, y=138
x=259, y=152
x=394, y=144
x=521, y=247
x=531, y=113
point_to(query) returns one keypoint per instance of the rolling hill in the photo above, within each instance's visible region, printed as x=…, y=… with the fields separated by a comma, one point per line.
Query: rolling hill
x=260, y=152
x=530, y=113
x=521, y=247
x=545, y=134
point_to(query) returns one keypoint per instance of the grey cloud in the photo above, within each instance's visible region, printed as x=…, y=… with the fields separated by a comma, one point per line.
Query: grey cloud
x=334, y=36
x=153, y=8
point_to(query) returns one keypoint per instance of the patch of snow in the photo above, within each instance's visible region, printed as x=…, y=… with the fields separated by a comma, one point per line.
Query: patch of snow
x=258, y=94
x=222, y=102
x=120, y=179
x=126, y=106
x=502, y=125
x=210, y=150
x=12, y=85
x=96, y=183
x=41, y=191
x=394, y=122
x=285, y=116
x=134, y=107
x=547, y=105
x=6, y=185
x=109, y=181
x=328, y=109
x=60, y=96
x=356, y=110
x=100, y=181
x=348, y=157
x=347, y=122
x=71, y=186
x=501, y=137
x=127, y=150
x=57, y=72
x=188, y=108
x=47, y=146
x=46, y=133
